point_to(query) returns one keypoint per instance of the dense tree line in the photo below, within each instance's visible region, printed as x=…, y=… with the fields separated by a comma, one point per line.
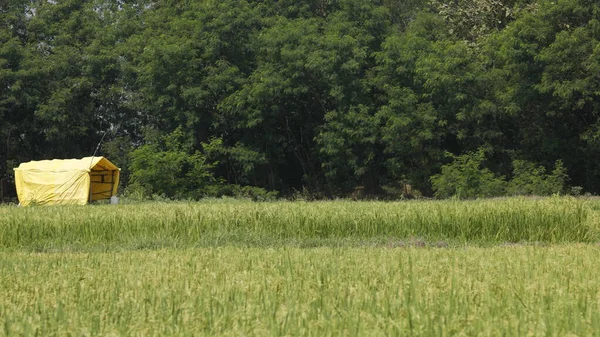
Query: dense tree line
x=322, y=97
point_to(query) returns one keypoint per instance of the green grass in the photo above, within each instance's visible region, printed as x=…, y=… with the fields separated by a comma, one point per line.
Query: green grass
x=506, y=267
x=210, y=224
x=232, y=291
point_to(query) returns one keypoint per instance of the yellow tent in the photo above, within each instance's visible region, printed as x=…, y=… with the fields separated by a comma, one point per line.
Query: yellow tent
x=69, y=181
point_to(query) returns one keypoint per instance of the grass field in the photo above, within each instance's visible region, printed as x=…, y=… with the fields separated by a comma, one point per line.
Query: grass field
x=334, y=223
x=228, y=268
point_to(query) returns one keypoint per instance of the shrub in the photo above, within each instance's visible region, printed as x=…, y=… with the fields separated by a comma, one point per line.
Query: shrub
x=466, y=178
x=170, y=168
x=531, y=180
x=244, y=192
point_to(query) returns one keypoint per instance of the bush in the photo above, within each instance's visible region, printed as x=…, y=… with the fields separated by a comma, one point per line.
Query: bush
x=170, y=168
x=245, y=192
x=466, y=178
x=531, y=180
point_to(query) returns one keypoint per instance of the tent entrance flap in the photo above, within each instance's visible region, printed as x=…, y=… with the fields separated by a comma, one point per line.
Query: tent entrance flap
x=102, y=184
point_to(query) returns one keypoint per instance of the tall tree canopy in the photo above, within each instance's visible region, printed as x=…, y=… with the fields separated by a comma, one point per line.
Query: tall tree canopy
x=322, y=97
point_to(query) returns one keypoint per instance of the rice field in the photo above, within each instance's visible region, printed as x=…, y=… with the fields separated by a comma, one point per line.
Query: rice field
x=333, y=223
x=504, y=267
x=231, y=291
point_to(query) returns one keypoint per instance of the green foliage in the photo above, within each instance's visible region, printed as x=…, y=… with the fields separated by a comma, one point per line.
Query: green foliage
x=242, y=192
x=349, y=146
x=474, y=19
x=544, y=64
x=324, y=97
x=240, y=162
x=119, y=150
x=466, y=178
x=171, y=168
x=531, y=180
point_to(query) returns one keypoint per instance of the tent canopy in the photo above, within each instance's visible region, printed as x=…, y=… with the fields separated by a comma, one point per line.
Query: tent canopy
x=66, y=181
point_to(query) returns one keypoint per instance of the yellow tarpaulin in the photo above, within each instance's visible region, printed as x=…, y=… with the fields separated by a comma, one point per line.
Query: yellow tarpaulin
x=66, y=181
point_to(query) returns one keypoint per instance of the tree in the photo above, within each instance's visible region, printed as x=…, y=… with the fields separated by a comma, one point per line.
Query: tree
x=546, y=63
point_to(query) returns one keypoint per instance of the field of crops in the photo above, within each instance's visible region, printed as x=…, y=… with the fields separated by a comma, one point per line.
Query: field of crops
x=231, y=268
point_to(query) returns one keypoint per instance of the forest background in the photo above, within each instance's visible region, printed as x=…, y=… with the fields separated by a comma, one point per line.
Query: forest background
x=313, y=99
